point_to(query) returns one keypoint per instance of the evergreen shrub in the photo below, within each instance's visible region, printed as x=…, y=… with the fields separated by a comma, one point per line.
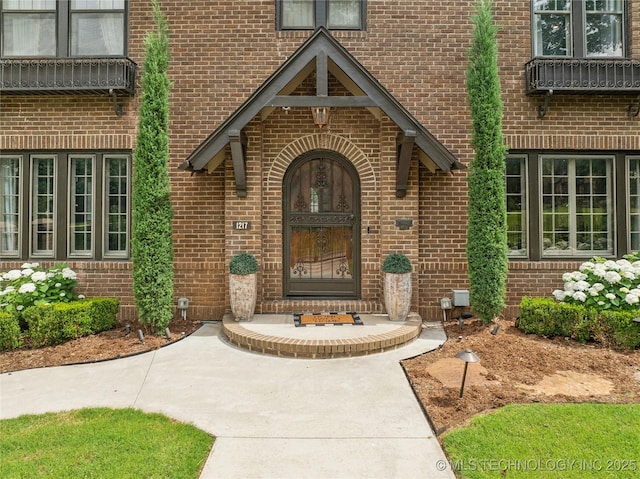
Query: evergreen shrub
x=243, y=263
x=10, y=334
x=396, y=263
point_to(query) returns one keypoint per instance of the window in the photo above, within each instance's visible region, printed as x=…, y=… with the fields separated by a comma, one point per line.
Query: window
x=311, y=14
x=75, y=205
x=634, y=202
x=516, y=190
x=572, y=205
x=577, y=205
x=48, y=28
x=579, y=28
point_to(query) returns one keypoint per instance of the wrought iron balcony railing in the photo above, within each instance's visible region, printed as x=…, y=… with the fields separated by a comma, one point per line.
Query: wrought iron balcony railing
x=582, y=75
x=67, y=76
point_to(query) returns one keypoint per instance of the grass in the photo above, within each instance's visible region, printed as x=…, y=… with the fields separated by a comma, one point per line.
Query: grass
x=101, y=443
x=549, y=441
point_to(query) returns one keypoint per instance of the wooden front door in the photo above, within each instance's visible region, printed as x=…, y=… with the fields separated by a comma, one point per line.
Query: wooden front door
x=321, y=224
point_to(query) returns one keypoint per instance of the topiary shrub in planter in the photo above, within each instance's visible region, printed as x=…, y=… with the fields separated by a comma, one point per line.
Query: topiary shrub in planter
x=243, y=286
x=397, y=286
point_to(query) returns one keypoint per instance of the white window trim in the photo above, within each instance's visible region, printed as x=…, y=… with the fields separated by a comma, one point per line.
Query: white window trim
x=33, y=253
x=70, y=206
x=573, y=252
x=18, y=252
x=106, y=253
x=628, y=160
x=523, y=253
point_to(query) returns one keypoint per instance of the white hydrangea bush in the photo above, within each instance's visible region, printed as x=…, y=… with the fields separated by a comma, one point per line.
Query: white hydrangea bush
x=603, y=284
x=32, y=284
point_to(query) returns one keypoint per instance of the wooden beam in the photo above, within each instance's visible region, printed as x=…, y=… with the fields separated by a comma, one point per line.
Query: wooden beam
x=351, y=87
x=404, y=142
x=426, y=161
x=290, y=87
x=322, y=74
x=332, y=101
x=215, y=161
x=238, y=142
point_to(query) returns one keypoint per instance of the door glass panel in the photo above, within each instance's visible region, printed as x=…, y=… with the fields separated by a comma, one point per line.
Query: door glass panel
x=321, y=253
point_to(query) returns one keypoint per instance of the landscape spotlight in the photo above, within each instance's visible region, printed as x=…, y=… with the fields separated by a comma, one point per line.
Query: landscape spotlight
x=141, y=336
x=467, y=356
x=183, y=304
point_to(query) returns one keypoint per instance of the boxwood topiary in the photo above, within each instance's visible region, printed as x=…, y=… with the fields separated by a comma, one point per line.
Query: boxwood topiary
x=243, y=263
x=396, y=263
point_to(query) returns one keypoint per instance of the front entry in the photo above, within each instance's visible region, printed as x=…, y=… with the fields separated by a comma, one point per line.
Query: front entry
x=321, y=226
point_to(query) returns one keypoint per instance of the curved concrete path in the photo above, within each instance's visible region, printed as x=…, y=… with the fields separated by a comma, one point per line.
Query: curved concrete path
x=272, y=417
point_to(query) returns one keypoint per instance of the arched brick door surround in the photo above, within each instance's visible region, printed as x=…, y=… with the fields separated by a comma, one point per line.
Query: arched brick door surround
x=272, y=196
x=327, y=141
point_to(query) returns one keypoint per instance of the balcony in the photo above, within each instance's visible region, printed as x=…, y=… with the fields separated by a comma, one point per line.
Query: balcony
x=67, y=76
x=582, y=75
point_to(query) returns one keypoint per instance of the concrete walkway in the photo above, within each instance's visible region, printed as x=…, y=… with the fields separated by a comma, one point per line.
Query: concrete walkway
x=272, y=417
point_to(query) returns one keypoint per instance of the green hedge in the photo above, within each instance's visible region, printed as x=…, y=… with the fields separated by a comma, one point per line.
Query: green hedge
x=10, y=334
x=56, y=323
x=546, y=317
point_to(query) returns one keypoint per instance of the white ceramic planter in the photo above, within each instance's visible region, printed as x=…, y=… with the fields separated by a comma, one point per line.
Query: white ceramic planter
x=243, y=291
x=397, y=295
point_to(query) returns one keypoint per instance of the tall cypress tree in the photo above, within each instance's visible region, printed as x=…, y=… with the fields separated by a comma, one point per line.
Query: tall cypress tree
x=487, y=228
x=152, y=243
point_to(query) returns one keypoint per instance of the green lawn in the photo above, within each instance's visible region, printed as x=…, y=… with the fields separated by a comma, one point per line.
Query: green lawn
x=548, y=441
x=101, y=443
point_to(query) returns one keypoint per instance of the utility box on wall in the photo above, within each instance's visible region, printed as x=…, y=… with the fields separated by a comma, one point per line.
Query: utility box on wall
x=460, y=297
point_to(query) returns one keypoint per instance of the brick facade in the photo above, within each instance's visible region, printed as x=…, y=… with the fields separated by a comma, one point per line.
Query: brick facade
x=221, y=52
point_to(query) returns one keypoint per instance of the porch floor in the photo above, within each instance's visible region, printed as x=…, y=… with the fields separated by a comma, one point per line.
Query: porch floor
x=276, y=334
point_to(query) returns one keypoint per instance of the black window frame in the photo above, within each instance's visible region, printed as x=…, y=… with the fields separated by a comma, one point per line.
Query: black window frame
x=621, y=234
x=63, y=32
x=577, y=25
x=61, y=243
x=321, y=16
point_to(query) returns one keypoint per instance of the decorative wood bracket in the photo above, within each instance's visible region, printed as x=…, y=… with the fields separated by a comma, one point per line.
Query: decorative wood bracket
x=404, y=145
x=117, y=107
x=544, y=107
x=238, y=142
x=634, y=109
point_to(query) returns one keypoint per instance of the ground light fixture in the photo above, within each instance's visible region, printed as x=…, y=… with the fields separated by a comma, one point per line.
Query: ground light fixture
x=183, y=305
x=467, y=356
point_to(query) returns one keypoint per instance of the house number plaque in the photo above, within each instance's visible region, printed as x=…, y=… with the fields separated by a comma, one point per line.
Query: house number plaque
x=242, y=225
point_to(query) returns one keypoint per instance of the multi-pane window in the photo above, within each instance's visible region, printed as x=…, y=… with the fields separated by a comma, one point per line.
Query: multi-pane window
x=570, y=205
x=310, y=14
x=81, y=205
x=74, y=205
x=579, y=28
x=116, y=227
x=10, y=205
x=49, y=28
x=577, y=205
x=43, y=205
x=634, y=202
x=516, y=191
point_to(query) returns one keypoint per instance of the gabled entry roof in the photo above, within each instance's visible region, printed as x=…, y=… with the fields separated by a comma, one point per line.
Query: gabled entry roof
x=324, y=54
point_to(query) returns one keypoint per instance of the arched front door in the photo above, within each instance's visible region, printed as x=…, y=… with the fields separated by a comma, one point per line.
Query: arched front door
x=321, y=226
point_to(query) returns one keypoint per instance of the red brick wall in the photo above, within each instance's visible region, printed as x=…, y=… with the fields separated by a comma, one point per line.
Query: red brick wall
x=222, y=52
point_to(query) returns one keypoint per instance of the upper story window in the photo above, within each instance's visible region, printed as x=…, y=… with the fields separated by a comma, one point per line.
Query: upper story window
x=311, y=14
x=579, y=28
x=50, y=28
